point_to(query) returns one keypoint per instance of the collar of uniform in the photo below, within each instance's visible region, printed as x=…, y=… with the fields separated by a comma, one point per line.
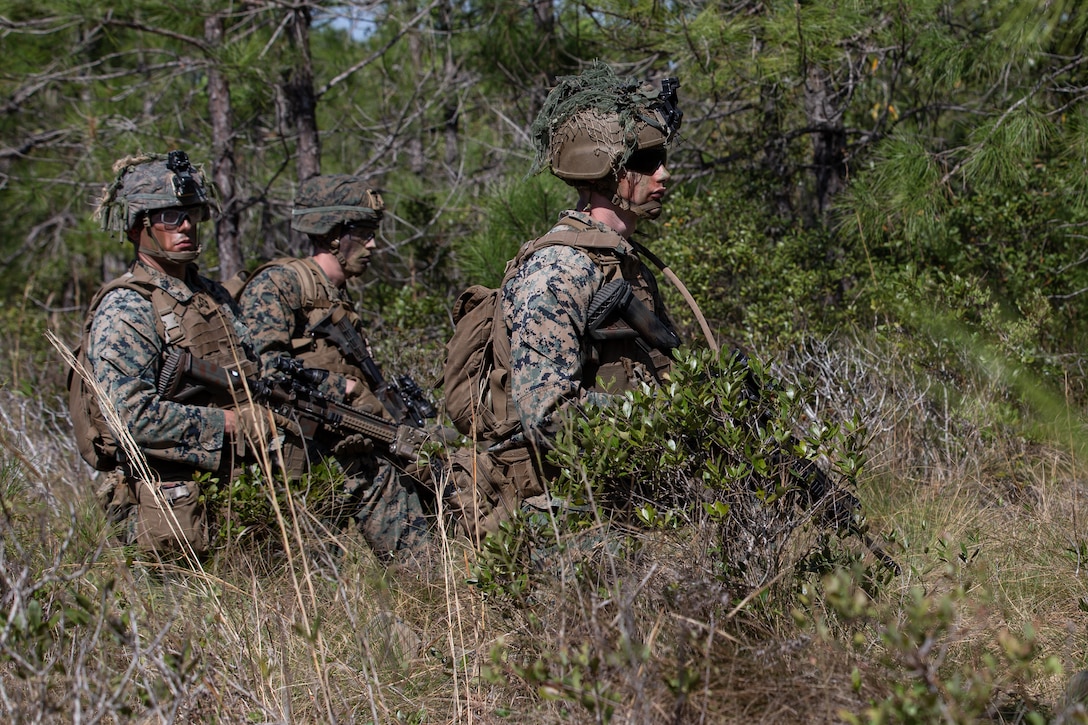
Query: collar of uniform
x=582, y=218
x=179, y=289
x=585, y=223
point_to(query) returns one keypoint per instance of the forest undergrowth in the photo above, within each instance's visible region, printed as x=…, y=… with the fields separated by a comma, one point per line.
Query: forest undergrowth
x=652, y=609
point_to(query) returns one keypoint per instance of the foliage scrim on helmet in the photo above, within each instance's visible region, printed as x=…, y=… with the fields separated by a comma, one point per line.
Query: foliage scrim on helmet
x=146, y=182
x=599, y=96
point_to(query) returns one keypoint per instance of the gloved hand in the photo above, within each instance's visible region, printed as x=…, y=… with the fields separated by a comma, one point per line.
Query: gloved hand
x=254, y=424
x=353, y=445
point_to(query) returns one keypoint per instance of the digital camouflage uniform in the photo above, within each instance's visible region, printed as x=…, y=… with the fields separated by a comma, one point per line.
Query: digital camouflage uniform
x=545, y=306
x=126, y=351
x=279, y=320
x=592, y=130
x=133, y=323
x=554, y=364
x=279, y=316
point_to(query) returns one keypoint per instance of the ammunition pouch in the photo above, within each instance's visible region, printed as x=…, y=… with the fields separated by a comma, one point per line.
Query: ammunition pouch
x=486, y=488
x=170, y=518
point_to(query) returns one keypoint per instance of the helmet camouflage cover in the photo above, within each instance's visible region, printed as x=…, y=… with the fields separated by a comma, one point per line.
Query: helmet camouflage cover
x=322, y=202
x=591, y=124
x=148, y=182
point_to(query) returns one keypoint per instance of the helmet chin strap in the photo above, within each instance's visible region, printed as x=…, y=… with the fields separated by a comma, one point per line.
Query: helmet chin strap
x=647, y=210
x=334, y=247
x=176, y=257
x=356, y=264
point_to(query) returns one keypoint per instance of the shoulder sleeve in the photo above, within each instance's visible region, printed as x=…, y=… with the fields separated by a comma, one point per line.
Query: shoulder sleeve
x=269, y=303
x=545, y=306
x=125, y=353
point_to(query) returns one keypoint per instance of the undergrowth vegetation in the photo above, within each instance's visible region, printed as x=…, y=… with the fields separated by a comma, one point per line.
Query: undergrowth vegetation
x=699, y=558
x=685, y=573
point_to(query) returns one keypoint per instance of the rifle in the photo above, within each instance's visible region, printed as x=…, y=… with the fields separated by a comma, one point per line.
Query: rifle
x=293, y=395
x=838, y=505
x=403, y=398
x=615, y=303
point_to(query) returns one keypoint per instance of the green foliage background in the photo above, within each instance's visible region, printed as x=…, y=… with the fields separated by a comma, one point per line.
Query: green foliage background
x=840, y=159
x=884, y=199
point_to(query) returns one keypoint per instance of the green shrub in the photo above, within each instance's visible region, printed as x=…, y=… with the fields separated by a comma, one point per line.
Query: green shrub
x=244, y=511
x=939, y=668
x=754, y=275
x=510, y=215
x=714, y=451
x=717, y=446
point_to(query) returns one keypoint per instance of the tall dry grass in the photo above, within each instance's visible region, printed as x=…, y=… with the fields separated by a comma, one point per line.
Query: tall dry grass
x=985, y=520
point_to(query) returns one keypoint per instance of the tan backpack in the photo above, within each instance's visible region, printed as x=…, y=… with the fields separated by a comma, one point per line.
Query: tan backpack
x=94, y=439
x=474, y=376
x=477, y=368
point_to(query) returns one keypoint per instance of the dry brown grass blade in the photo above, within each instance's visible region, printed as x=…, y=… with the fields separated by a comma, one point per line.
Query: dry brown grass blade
x=143, y=473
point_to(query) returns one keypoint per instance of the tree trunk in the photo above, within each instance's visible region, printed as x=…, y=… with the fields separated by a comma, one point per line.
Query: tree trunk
x=228, y=225
x=829, y=140
x=544, y=15
x=302, y=99
x=775, y=153
x=451, y=112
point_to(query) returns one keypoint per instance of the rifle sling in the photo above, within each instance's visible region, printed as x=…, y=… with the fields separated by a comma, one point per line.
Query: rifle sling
x=671, y=276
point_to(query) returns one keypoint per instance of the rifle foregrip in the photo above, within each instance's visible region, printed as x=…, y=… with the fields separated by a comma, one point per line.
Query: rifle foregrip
x=643, y=320
x=616, y=297
x=170, y=374
x=612, y=296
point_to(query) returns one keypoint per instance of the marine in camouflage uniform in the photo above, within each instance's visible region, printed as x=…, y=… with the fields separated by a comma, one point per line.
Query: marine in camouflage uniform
x=162, y=301
x=546, y=309
x=289, y=302
x=606, y=137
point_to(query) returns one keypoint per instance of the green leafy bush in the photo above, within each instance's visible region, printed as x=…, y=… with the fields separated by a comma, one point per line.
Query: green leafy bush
x=244, y=511
x=510, y=215
x=749, y=270
x=716, y=451
x=939, y=667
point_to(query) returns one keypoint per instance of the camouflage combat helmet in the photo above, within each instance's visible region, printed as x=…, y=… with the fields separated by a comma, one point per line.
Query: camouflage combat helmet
x=323, y=202
x=149, y=182
x=591, y=124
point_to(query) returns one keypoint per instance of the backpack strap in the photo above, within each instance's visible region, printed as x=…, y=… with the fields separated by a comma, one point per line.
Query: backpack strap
x=314, y=296
x=304, y=270
x=94, y=439
x=571, y=233
x=582, y=236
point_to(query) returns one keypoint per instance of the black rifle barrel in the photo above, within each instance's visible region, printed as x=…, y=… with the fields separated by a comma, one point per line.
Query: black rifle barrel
x=292, y=399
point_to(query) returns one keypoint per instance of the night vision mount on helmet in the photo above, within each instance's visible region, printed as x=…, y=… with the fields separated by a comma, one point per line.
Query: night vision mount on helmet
x=149, y=182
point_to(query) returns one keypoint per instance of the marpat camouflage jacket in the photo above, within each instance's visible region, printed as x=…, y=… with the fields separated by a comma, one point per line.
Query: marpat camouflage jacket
x=278, y=318
x=126, y=352
x=545, y=306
